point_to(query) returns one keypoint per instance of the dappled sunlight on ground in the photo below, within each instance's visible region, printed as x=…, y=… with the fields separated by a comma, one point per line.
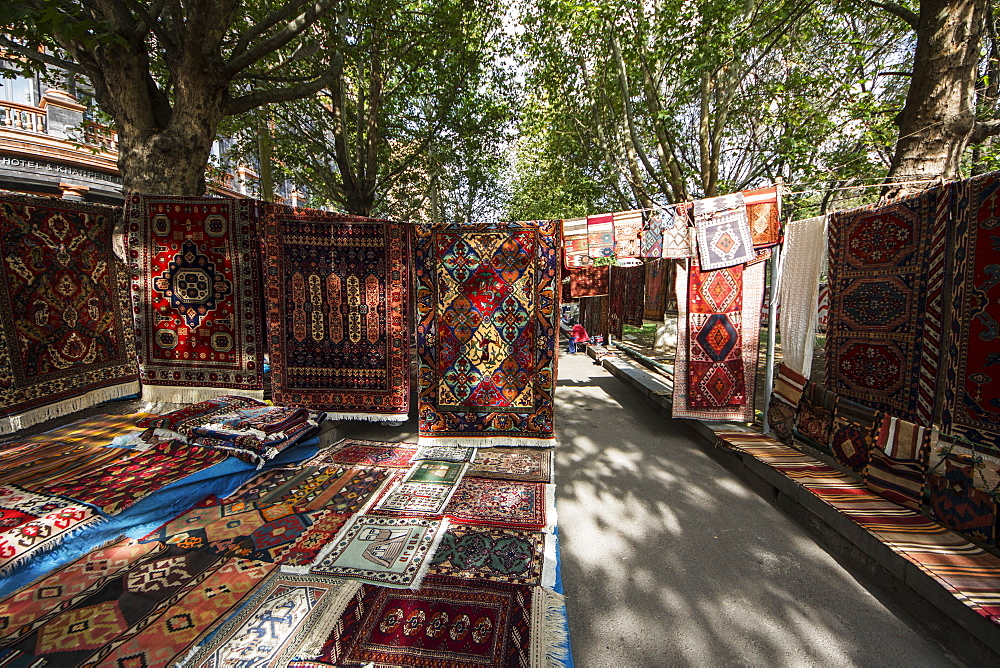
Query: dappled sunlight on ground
x=670, y=560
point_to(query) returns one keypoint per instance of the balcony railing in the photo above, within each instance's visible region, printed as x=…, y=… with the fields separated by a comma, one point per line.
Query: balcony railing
x=99, y=135
x=16, y=116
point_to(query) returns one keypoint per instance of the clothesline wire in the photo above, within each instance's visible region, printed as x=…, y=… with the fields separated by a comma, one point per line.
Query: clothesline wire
x=862, y=186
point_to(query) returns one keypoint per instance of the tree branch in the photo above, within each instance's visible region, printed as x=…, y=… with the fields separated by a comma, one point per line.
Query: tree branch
x=33, y=54
x=909, y=16
x=290, y=31
x=238, y=105
x=985, y=129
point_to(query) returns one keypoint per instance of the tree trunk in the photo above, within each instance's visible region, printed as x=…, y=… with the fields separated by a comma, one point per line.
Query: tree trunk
x=939, y=113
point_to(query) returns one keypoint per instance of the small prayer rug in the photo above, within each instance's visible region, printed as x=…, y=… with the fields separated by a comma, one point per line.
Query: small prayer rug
x=897, y=468
x=958, y=504
x=387, y=551
x=626, y=294
x=415, y=498
x=588, y=281
x=678, y=235
x=595, y=316
x=887, y=275
x=628, y=230
x=31, y=524
x=515, y=556
x=196, y=296
x=285, y=613
x=442, y=473
x=446, y=623
x=505, y=503
x=788, y=387
x=355, y=452
x=723, y=232
x=575, y=244
x=762, y=215
x=657, y=289
x=717, y=344
x=971, y=383
x=513, y=464
x=601, y=236
x=306, y=549
x=814, y=418
x=487, y=330
x=651, y=242
x=66, y=339
x=853, y=434
x=337, y=300
x=445, y=453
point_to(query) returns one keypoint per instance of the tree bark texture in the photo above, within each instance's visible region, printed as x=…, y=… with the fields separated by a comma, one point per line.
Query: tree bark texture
x=939, y=113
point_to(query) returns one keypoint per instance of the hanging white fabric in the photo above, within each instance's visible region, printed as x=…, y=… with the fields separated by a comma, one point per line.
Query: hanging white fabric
x=798, y=290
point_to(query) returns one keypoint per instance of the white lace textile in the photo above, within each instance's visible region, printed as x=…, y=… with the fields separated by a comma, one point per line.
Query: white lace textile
x=798, y=290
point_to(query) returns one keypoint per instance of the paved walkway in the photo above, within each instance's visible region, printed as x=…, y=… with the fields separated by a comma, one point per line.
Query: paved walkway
x=669, y=560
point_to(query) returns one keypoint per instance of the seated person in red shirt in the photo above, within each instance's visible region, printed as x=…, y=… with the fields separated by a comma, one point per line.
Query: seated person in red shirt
x=577, y=335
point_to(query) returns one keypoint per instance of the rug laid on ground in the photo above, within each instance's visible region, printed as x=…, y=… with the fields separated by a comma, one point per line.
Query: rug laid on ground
x=503, y=503
x=723, y=232
x=65, y=334
x=445, y=453
x=575, y=244
x=487, y=330
x=626, y=295
x=717, y=341
x=387, y=551
x=444, y=624
x=286, y=613
x=32, y=524
x=515, y=556
x=628, y=230
x=657, y=289
x=971, y=408
x=601, y=236
x=196, y=296
x=512, y=464
x=588, y=281
x=966, y=571
x=336, y=312
x=887, y=274
x=356, y=452
x=762, y=215
x=788, y=387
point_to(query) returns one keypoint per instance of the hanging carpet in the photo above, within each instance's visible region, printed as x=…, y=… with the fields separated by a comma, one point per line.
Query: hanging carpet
x=196, y=296
x=798, y=293
x=65, y=334
x=628, y=230
x=762, y=215
x=972, y=384
x=626, y=296
x=336, y=313
x=601, y=235
x=679, y=240
x=657, y=289
x=718, y=326
x=595, y=316
x=651, y=242
x=723, y=232
x=488, y=311
x=887, y=274
x=588, y=281
x=575, y=244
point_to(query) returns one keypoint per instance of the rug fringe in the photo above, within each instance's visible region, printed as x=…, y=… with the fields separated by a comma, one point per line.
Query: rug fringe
x=549, y=561
x=49, y=546
x=549, y=631
x=312, y=642
x=551, y=514
x=425, y=567
x=370, y=417
x=14, y=423
x=487, y=442
x=168, y=394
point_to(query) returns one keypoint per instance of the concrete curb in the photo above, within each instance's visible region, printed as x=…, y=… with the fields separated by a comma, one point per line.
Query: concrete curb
x=952, y=623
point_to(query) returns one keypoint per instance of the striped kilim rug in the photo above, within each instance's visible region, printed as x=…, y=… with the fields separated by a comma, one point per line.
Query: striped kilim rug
x=968, y=572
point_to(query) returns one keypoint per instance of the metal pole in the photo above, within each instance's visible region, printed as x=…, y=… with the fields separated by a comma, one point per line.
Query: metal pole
x=772, y=320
